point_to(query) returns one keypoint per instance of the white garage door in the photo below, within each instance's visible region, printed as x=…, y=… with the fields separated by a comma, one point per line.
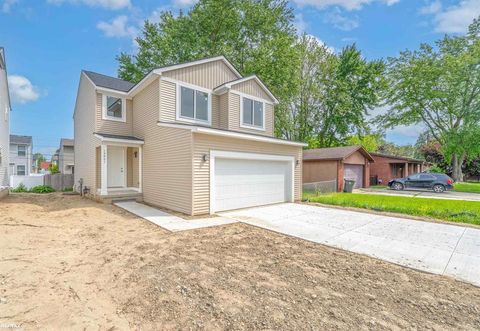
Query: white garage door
x=355, y=172
x=241, y=183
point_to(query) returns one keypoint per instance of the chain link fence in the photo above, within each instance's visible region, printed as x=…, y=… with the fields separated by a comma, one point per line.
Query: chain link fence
x=317, y=188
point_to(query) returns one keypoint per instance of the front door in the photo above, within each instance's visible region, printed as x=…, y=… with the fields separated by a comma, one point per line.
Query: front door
x=116, y=166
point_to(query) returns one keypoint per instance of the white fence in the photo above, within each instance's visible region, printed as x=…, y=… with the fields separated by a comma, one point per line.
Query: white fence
x=329, y=186
x=27, y=181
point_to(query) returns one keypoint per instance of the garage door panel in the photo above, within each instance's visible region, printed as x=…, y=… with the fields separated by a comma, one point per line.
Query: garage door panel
x=354, y=172
x=245, y=183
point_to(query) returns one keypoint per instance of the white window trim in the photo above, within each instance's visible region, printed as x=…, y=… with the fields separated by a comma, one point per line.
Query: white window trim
x=24, y=169
x=181, y=118
x=252, y=126
x=111, y=118
x=214, y=154
x=25, y=151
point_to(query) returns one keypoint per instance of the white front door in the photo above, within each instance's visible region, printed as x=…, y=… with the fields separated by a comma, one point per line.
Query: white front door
x=245, y=183
x=116, y=166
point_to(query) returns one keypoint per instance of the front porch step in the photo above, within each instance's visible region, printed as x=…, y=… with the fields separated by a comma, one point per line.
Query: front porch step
x=119, y=196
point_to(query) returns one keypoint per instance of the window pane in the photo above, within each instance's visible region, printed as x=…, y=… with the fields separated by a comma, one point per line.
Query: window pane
x=247, y=111
x=186, y=103
x=21, y=151
x=258, y=114
x=114, y=107
x=21, y=170
x=201, y=102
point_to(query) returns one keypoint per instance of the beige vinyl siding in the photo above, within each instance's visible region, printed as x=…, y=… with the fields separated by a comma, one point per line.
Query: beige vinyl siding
x=113, y=127
x=168, y=99
x=208, y=75
x=215, y=111
x=234, y=116
x=251, y=87
x=223, y=111
x=84, y=125
x=167, y=164
x=203, y=144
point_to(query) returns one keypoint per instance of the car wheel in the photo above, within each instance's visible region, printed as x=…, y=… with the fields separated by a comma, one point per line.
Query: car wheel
x=397, y=186
x=438, y=188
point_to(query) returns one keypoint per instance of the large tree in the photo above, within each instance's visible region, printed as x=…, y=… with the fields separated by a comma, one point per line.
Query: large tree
x=439, y=86
x=256, y=36
x=334, y=93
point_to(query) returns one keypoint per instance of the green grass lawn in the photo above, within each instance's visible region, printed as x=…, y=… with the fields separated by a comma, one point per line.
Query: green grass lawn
x=448, y=210
x=469, y=187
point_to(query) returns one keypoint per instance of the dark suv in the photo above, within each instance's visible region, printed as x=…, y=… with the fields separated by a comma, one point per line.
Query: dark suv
x=432, y=181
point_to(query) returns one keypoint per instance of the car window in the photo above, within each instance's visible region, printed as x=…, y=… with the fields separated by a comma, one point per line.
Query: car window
x=426, y=176
x=414, y=177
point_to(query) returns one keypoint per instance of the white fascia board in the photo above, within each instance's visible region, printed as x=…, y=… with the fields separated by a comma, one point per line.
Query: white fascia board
x=193, y=63
x=231, y=134
x=118, y=140
x=150, y=77
x=112, y=92
x=227, y=86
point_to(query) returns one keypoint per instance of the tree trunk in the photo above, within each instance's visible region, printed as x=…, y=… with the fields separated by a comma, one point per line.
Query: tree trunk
x=457, y=162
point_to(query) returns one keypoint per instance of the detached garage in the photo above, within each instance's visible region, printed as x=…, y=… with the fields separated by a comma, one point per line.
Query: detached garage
x=337, y=163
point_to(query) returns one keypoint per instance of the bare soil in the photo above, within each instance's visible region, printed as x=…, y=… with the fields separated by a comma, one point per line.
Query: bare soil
x=70, y=263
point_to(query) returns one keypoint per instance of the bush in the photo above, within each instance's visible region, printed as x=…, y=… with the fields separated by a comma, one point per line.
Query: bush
x=42, y=189
x=436, y=169
x=20, y=189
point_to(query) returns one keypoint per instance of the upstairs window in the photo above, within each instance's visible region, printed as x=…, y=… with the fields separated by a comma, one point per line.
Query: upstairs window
x=22, y=150
x=252, y=113
x=114, y=108
x=194, y=105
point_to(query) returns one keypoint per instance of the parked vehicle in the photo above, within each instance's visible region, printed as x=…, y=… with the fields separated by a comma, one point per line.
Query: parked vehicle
x=437, y=182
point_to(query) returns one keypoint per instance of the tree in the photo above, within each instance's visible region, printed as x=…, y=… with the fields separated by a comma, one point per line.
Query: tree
x=256, y=36
x=371, y=142
x=53, y=168
x=39, y=159
x=439, y=87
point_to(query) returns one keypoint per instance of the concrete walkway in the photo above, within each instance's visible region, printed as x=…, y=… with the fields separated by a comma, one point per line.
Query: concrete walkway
x=168, y=221
x=437, y=248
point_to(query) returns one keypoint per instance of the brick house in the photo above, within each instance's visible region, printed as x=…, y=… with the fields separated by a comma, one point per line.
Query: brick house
x=388, y=167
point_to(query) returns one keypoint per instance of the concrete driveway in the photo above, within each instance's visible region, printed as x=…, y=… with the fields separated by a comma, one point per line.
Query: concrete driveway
x=437, y=248
x=449, y=195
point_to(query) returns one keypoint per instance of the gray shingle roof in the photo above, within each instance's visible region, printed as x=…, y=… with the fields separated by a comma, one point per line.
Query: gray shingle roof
x=14, y=139
x=109, y=82
x=334, y=153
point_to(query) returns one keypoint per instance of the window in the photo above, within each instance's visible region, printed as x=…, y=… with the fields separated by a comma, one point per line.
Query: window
x=22, y=150
x=113, y=108
x=252, y=113
x=426, y=177
x=20, y=170
x=194, y=104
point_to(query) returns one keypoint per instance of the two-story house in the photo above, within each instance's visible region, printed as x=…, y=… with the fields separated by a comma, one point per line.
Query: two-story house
x=21, y=156
x=4, y=121
x=66, y=156
x=195, y=137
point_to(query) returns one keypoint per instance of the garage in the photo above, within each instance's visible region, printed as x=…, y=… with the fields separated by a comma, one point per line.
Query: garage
x=241, y=180
x=354, y=172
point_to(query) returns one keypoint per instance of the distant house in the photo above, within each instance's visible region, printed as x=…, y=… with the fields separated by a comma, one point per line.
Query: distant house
x=4, y=121
x=21, y=156
x=66, y=156
x=337, y=163
x=388, y=167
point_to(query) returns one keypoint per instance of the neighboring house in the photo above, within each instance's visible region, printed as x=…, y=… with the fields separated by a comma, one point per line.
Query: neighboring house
x=44, y=167
x=66, y=156
x=388, y=167
x=337, y=163
x=195, y=138
x=5, y=109
x=55, y=158
x=21, y=156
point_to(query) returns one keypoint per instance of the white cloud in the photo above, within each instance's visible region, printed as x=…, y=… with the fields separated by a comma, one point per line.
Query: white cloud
x=300, y=23
x=184, y=3
x=7, y=5
x=118, y=28
x=22, y=90
x=453, y=19
x=107, y=4
x=347, y=4
x=340, y=21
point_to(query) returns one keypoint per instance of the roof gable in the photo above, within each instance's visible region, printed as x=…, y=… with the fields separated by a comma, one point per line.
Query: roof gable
x=335, y=153
x=241, y=81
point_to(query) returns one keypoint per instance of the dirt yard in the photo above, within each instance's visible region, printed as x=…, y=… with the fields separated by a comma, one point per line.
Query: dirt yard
x=69, y=263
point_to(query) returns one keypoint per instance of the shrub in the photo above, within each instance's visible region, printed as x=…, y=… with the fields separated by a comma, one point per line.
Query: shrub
x=20, y=189
x=42, y=189
x=436, y=169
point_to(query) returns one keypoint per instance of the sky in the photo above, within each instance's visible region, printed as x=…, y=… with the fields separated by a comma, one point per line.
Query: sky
x=48, y=43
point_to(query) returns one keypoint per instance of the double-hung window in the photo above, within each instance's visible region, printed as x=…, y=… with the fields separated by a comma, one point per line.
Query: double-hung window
x=253, y=113
x=21, y=170
x=194, y=105
x=114, y=108
x=22, y=150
